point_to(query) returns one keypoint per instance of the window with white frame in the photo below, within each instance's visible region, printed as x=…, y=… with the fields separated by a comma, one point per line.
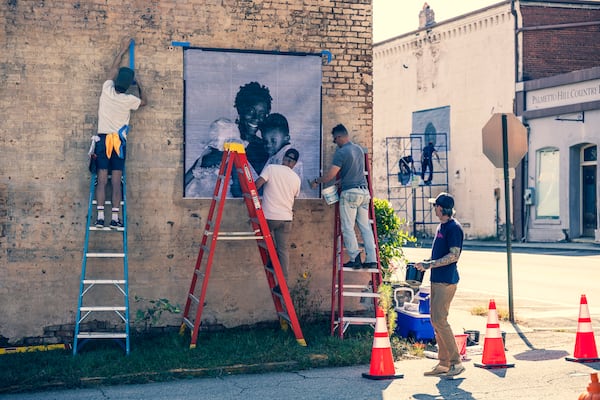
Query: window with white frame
x=547, y=181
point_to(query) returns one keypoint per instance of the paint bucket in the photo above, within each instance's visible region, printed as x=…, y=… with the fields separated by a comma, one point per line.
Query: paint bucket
x=330, y=194
x=472, y=337
x=414, y=277
x=461, y=344
x=423, y=297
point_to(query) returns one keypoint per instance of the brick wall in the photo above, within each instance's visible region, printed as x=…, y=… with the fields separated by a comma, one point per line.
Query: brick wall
x=55, y=57
x=553, y=51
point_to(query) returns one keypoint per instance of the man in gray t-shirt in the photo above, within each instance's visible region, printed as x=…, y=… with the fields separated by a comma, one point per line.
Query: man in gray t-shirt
x=349, y=162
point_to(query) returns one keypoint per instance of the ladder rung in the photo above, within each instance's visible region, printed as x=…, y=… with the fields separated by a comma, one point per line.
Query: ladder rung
x=103, y=308
x=194, y=298
x=101, y=335
x=107, y=202
x=103, y=282
x=285, y=316
x=355, y=287
x=105, y=255
x=348, y=269
x=358, y=320
x=360, y=294
x=188, y=323
x=106, y=229
x=238, y=235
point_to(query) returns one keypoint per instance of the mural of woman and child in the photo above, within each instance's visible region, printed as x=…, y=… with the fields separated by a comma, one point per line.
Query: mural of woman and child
x=265, y=135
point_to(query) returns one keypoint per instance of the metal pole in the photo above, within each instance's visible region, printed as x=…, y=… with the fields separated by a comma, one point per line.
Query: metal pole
x=511, y=314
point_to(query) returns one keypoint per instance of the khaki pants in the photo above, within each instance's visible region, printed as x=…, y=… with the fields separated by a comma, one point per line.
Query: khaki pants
x=441, y=297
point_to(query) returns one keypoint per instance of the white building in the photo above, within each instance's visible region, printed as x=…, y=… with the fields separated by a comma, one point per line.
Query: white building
x=455, y=75
x=444, y=81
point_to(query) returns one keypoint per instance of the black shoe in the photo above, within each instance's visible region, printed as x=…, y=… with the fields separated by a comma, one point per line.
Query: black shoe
x=370, y=265
x=99, y=223
x=355, y=264
x=116, y=224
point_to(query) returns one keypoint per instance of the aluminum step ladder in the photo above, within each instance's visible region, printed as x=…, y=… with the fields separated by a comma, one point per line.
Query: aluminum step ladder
x=341, y=290
x=99, y=294
x=234, y=160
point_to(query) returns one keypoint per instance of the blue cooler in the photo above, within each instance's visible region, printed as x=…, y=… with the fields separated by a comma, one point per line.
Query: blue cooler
x=414, y=324
x=424, y=297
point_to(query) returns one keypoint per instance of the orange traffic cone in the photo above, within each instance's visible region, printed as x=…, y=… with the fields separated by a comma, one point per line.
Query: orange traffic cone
x=593, y=387
x=382, y=361
x=493, y=346
x=585, y=344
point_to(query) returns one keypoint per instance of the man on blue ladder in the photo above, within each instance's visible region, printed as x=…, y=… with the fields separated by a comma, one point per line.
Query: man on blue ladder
x=108, y=146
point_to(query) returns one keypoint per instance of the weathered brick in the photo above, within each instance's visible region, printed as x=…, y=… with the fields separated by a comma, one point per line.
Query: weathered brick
x=54, y=59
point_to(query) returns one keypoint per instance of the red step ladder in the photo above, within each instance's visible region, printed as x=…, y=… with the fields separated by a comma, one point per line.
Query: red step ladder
x=340, y=290
x=234, y=159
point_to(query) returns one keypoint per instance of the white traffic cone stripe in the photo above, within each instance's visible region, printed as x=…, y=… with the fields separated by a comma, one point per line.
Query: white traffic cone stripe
x=382, y=343
x=584, y=327
x=584, y=312
x=493, y=333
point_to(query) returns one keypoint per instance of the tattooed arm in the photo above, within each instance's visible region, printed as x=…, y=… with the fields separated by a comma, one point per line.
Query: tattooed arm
x=449, y=258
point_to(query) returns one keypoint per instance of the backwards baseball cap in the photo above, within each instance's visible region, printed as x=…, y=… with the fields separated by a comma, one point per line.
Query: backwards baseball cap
x=124, y=79
x=444, y=200
x=292, y=154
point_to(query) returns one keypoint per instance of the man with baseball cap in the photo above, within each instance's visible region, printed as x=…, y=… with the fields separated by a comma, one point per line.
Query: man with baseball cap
x=281, y=187
x=446, y=249
x=108, y=146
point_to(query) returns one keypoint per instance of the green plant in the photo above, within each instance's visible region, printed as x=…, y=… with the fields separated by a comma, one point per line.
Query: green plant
x=151, y=315
x=391, y=237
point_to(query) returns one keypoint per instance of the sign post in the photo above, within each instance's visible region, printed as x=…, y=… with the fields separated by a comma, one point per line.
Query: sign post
x=504, y=141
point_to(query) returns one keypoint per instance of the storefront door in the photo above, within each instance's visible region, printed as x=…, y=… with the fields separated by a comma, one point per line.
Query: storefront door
x=589, y=208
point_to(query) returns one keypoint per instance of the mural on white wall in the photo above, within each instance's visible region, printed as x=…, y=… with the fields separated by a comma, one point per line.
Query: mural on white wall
x=430, y=140
x=270, y=102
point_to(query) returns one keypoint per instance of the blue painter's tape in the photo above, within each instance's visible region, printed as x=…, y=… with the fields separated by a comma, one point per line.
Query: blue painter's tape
x=328, y=54
x=182, y=44
x=132, y=54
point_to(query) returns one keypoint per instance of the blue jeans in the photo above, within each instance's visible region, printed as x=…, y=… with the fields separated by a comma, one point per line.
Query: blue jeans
x=354, y=207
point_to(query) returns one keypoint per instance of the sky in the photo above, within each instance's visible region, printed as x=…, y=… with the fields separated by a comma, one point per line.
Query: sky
x=396, y=17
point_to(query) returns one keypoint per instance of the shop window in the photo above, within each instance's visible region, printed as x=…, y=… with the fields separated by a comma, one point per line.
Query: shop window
x=548, y=163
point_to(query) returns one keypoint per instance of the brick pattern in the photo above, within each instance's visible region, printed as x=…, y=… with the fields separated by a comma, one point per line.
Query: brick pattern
x=54, y=59
x=549, y=52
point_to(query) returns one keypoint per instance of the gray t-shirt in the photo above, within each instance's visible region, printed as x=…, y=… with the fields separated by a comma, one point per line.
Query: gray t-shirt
x=351, y=160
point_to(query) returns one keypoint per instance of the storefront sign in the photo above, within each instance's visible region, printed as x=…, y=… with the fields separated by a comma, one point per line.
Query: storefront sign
x=580, y=92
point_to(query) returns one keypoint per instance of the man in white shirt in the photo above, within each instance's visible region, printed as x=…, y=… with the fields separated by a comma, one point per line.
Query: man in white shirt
x=114, y=110
x=281, y=187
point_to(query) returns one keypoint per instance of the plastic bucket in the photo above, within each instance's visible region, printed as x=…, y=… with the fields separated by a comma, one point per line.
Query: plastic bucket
x=461, y=344
x=472, y=338
x=330, y=194
x=414, y=277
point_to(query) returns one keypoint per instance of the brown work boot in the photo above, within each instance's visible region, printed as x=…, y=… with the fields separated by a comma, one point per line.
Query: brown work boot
x=438, y=370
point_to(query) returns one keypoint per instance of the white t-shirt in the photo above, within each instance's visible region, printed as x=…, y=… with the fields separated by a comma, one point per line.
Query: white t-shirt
x=282, y=186
x=114, y=108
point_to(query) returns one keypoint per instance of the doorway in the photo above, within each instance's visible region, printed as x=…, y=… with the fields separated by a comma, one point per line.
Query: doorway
x=589, y=210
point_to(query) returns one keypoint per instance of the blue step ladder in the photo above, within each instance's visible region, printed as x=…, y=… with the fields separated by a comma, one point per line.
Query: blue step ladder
x=95, y=289
x=92, y=291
